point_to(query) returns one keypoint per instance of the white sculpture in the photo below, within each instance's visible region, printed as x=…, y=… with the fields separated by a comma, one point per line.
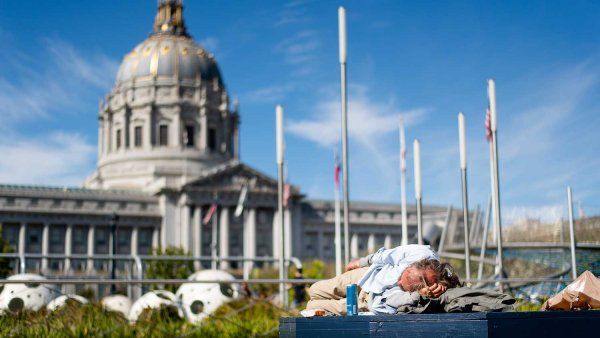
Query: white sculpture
x=18, y=297
x=117, y=303
x=154, y=300
x=198, y=300
x=60, y=301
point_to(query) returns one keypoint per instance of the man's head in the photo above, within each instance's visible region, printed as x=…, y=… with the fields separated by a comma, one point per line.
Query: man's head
x=427, y=272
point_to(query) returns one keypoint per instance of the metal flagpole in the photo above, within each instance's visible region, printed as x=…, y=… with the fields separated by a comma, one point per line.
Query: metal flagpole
x=403, y=183
x=496, y=173
x=280, y=152
x=465, y=199
x=572, y=234
x=417, y=163
x=484, y=238
x=344, y=98
x=338, y=230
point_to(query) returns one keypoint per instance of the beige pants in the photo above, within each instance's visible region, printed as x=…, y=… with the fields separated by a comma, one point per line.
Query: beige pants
x=330, y=294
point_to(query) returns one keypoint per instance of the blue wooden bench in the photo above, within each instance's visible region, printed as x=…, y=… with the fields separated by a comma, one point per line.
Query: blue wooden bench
x=500, y=324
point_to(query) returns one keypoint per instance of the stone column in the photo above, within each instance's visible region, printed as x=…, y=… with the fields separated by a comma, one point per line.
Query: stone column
x=371, y=243
x=22, y=234
x=203, y=130
x=100, y=138
x=155, y=238
x=197, y=235
x=134, y=241
x=45, y=243
x=184, y=227
x=249, y=240
x=224, y=236
x=68, y=246
x=387, y=243
x=176, y=130
x=90, y=248
x=354, y=246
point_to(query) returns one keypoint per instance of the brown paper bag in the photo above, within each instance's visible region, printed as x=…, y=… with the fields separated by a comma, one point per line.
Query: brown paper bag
x=583, y=293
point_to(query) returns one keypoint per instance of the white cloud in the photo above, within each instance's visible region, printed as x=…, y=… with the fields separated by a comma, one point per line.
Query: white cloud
x=60, y=77
x=51, y=86
x=293, y=12
x=269, y=94
x=368, y=119
x=56, y=159
x=300, y=51
x=372, y=125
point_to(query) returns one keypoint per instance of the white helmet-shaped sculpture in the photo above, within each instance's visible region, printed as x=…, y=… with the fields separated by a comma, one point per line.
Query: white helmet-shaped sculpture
x=117, y=303
x=30, y=296
x=153, y=300
x=198, y=300
x=60, y=301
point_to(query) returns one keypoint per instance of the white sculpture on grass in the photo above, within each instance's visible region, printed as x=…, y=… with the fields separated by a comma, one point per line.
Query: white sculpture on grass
x=61, y=301
x=199, y=300
x=154, y=300
x=117, y=303
x=31, y=296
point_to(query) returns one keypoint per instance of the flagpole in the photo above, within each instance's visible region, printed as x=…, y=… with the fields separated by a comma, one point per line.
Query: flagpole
x=465, y=198
x=496, y=172
x=344, y=99
x=280, y=155
x=338, y=230
x=403, y=183
x=417, y=168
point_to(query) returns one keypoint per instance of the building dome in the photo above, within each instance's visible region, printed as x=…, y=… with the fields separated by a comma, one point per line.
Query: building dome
x=168, y=56
x=168, y=116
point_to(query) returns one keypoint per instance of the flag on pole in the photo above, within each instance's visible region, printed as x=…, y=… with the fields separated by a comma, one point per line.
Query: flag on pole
x=287, y=193
x=336, y=172
x=241, y=200
x=209, y=214
x=488, y=125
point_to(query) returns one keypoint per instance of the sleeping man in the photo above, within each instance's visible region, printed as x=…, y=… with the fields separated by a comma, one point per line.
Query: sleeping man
x=387, y=274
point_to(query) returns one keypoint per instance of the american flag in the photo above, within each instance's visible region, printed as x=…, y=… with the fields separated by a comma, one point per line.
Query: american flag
x=488, y=125
x=336, y=173
x=209, y=214
x=287, y=193
x=403, y=158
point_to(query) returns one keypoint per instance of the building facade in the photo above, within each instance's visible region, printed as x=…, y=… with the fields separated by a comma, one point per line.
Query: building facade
x=168, y=149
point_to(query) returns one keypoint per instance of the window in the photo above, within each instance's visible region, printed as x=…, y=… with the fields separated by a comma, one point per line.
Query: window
x=163, y=135
x=212, y=139
x=188, y=136
x=118, y=139
x=137, y=136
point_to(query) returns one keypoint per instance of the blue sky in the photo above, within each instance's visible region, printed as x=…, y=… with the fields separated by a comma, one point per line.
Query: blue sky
x=423, y=60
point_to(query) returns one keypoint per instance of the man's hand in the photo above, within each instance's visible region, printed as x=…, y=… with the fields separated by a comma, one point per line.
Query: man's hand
x=353, y=264
x=433, y=291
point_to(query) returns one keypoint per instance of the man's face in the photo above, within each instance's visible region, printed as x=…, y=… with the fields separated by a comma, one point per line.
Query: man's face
x=413, y=279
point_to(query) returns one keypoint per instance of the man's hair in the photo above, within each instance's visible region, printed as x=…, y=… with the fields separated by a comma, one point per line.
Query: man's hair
x=443, y=273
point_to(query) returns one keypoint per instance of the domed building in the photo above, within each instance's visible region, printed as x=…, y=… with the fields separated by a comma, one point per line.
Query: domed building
x=168, y=116
x=169, y=174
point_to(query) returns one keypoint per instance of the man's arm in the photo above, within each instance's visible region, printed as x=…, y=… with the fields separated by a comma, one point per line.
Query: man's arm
x=359, y=262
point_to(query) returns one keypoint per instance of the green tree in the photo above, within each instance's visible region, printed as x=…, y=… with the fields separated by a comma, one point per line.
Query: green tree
x=171, y=269
x=5, y=269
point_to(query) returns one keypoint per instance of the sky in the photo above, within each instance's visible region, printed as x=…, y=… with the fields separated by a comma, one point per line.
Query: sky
x=424, y=61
